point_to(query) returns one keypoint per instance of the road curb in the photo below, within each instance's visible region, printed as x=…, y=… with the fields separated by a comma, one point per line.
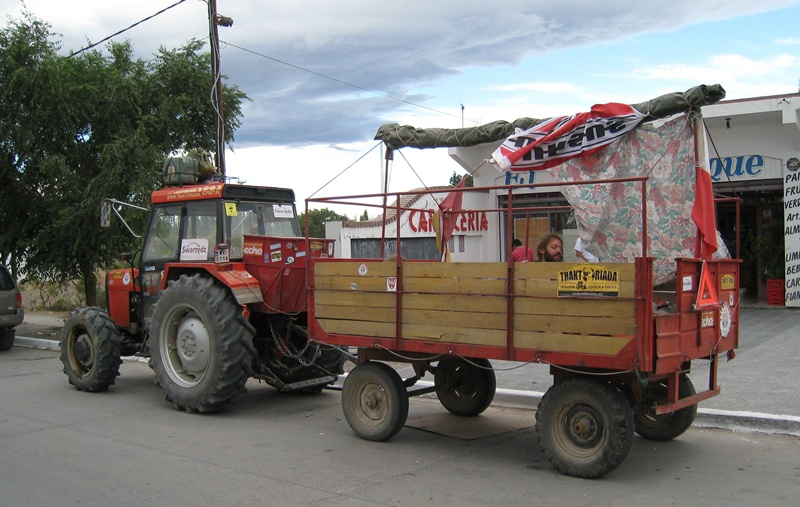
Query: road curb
x=37, y=343
x=748, y=422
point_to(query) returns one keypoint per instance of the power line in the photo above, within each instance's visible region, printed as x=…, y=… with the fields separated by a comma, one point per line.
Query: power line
x=303, y=69
x=126, y=29
x=338, y=80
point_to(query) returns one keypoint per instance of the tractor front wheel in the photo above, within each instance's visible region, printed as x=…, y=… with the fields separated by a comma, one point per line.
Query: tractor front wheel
x=201, y=344
x=90, y=349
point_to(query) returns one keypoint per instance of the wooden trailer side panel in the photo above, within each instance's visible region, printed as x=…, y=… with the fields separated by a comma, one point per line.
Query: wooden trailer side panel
x=446, y=305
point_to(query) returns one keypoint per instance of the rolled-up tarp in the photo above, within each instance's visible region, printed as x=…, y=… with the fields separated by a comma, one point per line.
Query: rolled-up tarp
x=396, y=136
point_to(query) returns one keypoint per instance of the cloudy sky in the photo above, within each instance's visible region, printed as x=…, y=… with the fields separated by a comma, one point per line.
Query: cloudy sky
x=323, y=75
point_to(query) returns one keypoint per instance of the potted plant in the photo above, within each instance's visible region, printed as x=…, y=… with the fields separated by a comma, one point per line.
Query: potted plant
x=769, y=252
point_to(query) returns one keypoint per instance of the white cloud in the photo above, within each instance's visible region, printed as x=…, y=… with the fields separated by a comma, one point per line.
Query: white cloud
x=400, y=51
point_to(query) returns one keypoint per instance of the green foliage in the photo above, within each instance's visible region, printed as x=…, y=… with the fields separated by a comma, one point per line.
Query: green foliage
x=364, y=217
x=770, y=250
x=455, y=179
x=317, y=219
x=74, y=131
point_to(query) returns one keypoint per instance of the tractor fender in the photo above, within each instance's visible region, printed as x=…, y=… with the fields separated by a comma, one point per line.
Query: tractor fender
x=244, y=286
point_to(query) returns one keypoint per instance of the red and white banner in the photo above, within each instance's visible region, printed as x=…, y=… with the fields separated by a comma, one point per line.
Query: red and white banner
x=559, y=139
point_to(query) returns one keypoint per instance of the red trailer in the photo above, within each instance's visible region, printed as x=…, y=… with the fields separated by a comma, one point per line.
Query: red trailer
x=619, y=349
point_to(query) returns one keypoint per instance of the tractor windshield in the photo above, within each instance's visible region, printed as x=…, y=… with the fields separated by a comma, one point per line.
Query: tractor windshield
x=263, y=219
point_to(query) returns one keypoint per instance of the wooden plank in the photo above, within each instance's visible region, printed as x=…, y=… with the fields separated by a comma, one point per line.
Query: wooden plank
x=573, y=343
x=355, y=298
x=351, y=268
x=550, y=270
x=569, y=306
x=461, y=302
x=454, y=334
x=549, y=288
x=455, y=285
x=575, y=324
x=357, y=328
x=456, y=319
x=471, y=270
x=353, y=283
x=361, y=313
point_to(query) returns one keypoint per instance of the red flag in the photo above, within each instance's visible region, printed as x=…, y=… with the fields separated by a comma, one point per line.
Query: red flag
x=447, y=214
x=559, y=139
x=703, y=213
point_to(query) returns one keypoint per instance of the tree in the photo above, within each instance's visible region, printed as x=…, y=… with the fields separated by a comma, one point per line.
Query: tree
x=455, y=179
x=74, y=131
x=317, y=219
x=364, y=217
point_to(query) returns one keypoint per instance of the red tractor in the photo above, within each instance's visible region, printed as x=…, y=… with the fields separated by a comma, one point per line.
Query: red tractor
x=216, y=295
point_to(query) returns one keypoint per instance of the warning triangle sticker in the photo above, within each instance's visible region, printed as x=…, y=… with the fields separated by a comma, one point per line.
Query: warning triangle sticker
x=706, y=293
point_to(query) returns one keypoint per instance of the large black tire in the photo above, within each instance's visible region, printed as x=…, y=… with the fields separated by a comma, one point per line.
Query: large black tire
x=7, y=339
x=201, y=344
x=584, y=427
x=375, y=401
x=666, y=426
x=90, y=349
x=465, y=387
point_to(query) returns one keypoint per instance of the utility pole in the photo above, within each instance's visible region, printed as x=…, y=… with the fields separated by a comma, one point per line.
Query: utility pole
x=215, y=20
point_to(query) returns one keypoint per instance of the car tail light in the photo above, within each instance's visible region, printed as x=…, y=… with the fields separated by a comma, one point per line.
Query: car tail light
x=19, y=300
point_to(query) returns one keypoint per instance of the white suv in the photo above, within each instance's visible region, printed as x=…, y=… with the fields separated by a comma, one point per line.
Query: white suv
x=11, y=311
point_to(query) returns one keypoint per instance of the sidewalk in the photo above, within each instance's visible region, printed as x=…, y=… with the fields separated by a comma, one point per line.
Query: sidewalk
x=759, y=387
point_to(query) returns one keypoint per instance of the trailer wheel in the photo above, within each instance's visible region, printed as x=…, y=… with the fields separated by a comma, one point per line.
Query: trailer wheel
x=465, y=387
x=90, y=349
x=584, y=427
x=375, y=401
x=666, y=426
x=201, y=344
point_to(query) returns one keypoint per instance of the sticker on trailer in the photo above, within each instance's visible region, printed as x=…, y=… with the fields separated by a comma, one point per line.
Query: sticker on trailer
x=362, y=270
x=282, y=211
x=274, y=246
x=300, y=254
x=728, y=282
x=707, y=319
x=276, y=256
x=725, y=320
x=687, y=283
x=353, y=286
x=589, y=280
x=126, y=278
x=230, y=209
x=391, y=284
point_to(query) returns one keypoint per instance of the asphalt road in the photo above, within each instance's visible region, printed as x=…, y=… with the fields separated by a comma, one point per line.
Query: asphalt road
x=128, y=446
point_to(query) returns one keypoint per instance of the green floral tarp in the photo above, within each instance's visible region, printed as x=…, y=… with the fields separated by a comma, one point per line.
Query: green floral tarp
x=609, y=215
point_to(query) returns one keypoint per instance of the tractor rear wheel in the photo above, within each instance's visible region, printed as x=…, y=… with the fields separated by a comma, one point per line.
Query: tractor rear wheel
x=201, y=344
x=90, y=349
